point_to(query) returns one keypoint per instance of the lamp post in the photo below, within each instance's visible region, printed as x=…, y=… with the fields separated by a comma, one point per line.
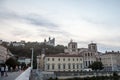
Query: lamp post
x=32, y=57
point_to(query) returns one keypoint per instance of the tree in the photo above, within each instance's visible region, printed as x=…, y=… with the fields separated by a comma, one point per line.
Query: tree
x=11, y=62
x=96, y=66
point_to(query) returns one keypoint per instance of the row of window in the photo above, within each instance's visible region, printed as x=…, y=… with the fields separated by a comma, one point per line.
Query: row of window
x=88, y=54
x=87, y=63
x=69, y=59
x=64, y=66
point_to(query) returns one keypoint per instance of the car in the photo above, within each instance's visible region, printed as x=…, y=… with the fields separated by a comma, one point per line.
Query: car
x=87, y=69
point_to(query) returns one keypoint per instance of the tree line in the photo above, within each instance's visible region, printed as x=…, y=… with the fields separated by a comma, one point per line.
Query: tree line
x=24, y=51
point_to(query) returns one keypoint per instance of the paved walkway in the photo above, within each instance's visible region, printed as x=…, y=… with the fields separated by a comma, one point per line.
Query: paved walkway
x=11, y=76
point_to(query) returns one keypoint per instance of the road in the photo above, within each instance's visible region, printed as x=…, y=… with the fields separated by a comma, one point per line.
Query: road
x=11, y=76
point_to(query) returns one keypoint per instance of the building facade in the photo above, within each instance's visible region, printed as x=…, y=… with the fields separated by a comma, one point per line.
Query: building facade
x=63, y=63
x=89, y=54
x=111, y=61
x=73, y=58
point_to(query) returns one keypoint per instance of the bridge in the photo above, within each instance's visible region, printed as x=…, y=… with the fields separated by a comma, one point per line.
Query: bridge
x=11, y=75
x=30, y=74
x=19, y=75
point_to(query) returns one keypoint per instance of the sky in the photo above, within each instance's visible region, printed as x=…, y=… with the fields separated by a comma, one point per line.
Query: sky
x=83, y=21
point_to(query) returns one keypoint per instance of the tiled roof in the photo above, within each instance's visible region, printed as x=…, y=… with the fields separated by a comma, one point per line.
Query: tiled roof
x=63, y=55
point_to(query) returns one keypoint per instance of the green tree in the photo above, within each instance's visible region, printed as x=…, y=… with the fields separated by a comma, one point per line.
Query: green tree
x=96, y=66
x=11, y=62
x=24, y=51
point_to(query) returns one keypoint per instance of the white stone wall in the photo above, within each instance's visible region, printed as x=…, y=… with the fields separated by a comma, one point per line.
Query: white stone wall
x=110, y=59
x=76, y=61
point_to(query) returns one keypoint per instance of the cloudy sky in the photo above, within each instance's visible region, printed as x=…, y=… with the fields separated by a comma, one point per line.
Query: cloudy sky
x=82, y=21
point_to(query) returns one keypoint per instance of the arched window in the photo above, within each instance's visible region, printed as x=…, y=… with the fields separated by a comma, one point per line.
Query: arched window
x=88, y=54
x=53, y=66
x=64, y=66
x=58, y=59
x=52, y=59
x=68, y=59
x=69, y=66
x=59, y=66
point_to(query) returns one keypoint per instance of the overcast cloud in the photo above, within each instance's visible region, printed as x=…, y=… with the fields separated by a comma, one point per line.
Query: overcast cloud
x=81, y=20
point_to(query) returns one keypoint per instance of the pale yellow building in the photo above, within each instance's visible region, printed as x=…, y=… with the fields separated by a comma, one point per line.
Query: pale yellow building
x=63, y=62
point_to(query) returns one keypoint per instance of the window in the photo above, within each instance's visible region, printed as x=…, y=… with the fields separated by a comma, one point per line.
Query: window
x=80, y=59
x=73, y=59
x=58, y=66
x=73, y=46
x=53, y=66
x=86, y=63
x=77, y=66
x=94, y=47
x=73, y=66
x=68, y=59
x=48, y=66
x=88, y=54
x=77, y=59
x=52, y=59
x=48, y=59
x=63, y=59
x=69, y=66
x=81, y=65
x=58, y=59
x=63, y=66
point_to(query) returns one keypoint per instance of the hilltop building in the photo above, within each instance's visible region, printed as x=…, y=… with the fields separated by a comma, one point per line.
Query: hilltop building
x=21, y=43
x=50, y=42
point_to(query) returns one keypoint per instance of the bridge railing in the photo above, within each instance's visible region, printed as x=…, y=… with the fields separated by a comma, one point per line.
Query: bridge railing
x=25, y=75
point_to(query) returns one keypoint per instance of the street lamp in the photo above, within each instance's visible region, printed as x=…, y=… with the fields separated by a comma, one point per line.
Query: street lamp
x=32, y=57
